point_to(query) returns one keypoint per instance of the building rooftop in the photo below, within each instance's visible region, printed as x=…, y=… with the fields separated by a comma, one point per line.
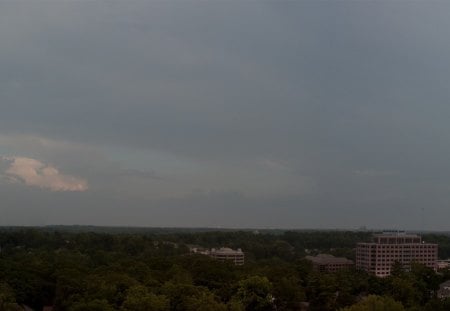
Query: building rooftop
x=326, y=259
x=396, y=237
x=400, y=234
x=226, y=250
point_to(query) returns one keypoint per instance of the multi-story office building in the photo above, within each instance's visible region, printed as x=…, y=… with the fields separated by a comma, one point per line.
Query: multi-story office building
x=378, y=256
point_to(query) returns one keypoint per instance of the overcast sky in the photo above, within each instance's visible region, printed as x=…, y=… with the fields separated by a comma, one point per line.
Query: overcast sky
x=288, y=114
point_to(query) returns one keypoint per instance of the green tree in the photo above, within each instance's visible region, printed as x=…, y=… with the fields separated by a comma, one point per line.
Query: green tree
x=139, y=298
x=437, y=305
x=403, y=289
x=205, y=301
x=426, y=280
x=7, y=298
x=109, y=285
x=376, y=303
x=179, y=293
x=322, y=291
x=255, y=293
x=94, y=305
x=235, y=305
x=288, y=293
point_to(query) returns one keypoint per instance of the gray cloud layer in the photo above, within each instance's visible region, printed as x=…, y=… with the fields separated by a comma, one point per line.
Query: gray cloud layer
x=318, y=114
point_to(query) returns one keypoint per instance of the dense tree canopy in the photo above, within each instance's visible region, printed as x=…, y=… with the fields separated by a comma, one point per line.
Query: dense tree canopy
x=78, y=270
x=376, y=303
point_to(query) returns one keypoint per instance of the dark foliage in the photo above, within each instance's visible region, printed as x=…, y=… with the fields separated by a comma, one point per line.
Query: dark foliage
x=152, y=270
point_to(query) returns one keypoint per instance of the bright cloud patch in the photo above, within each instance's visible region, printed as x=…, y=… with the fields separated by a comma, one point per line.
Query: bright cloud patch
x=37, y=174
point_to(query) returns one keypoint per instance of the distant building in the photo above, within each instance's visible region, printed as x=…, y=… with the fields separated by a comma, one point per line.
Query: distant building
x=444, y=290
x=443, y=264
x=198, y=250
x=329, y=263
x=222, y=254
x=378, y=256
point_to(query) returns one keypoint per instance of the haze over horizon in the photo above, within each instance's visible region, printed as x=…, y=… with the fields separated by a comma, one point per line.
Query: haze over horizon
x=281, y=114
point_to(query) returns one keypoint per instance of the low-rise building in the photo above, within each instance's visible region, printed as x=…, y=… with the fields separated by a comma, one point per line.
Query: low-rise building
x=329, y=263
x=444, y=290
x=198, y=250
x=222, y=254
x=225, y=253
x=443, y=264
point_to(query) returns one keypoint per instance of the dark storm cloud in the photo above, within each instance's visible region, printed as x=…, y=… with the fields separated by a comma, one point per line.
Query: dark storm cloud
x=315, y=109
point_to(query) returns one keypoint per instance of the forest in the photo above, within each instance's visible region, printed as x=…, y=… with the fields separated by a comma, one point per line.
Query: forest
x=88, y=269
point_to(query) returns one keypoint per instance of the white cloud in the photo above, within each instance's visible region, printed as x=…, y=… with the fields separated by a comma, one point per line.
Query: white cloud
x=37, y=174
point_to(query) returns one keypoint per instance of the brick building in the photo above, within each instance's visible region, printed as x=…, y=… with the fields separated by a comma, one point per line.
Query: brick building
x=329, y=263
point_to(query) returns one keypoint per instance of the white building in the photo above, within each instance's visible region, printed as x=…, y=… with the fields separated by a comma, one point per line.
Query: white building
x=222, y=254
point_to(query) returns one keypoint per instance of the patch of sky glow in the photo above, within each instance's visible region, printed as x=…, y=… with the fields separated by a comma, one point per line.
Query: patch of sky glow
x=151, y=160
